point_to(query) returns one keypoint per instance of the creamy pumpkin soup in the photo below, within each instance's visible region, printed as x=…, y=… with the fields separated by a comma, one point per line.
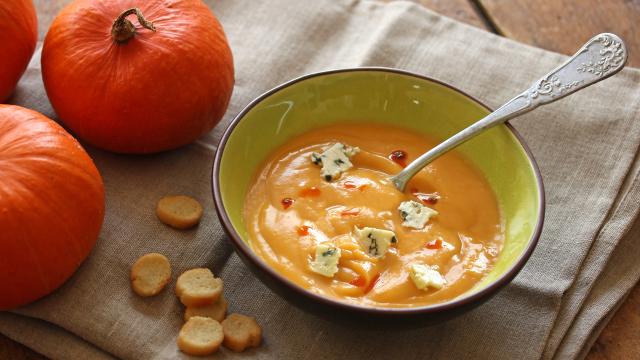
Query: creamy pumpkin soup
x=323, y=213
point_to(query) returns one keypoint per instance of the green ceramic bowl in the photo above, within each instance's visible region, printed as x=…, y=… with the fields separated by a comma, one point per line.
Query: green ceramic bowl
x=388, y=96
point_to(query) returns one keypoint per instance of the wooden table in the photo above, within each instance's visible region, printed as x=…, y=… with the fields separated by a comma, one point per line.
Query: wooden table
x=558, y=25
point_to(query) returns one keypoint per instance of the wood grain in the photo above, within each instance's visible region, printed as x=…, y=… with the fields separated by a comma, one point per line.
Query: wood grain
x=619, y=339
x=563, y=25
x=462, y=10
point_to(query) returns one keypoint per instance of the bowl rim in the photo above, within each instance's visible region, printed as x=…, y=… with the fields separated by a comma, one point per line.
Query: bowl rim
x=242, y=247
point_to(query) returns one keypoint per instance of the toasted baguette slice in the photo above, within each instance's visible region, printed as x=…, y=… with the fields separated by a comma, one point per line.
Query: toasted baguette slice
x=200, y=336
x=215, y=311
x=241, y=332
x=180, y=212
x=150, y=274
x=198, y=287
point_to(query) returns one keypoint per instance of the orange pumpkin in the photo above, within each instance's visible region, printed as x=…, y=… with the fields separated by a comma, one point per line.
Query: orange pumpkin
x=51, y=205
x=18, y=37
x=138, y=80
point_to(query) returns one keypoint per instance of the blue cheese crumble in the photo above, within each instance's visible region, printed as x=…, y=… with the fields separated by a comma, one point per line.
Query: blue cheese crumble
x=335, y=160
x=376, y=242
x=326, y=261
x=414, y=214
x=425, y=276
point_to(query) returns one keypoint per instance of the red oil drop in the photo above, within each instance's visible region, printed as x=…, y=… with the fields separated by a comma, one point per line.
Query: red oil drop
x=287, y=202
x=399, y=157
x=303, y=230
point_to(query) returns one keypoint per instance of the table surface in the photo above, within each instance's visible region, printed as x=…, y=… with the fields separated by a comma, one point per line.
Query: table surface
x=558, y=25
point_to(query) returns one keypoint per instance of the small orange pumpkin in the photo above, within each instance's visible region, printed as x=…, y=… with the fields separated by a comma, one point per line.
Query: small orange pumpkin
x=51, y=205
x=18, y=37
x=152, y=83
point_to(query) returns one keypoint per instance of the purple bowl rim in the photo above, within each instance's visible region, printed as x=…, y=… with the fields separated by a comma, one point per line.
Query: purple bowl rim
x=240, y=245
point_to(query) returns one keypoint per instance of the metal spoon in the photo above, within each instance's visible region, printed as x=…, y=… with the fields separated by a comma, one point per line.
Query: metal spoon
x=601, y=57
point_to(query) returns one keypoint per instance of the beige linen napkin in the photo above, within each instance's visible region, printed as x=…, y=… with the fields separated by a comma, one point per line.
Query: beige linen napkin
x=585, y=145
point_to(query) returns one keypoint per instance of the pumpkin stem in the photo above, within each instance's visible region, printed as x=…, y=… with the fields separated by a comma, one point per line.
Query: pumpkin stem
x=123, y=30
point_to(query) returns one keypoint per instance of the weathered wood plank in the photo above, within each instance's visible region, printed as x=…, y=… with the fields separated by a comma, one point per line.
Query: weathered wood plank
x=563, y=25
x=619, y=339
x=462, y=10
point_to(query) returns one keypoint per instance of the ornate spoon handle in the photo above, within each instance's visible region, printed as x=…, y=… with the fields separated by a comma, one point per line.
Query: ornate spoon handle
x=601, y=57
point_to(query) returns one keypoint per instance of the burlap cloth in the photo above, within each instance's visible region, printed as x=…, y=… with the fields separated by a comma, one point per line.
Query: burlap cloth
x=586, y=146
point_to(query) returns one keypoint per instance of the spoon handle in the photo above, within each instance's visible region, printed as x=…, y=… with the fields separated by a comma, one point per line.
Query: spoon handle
x=602, y=56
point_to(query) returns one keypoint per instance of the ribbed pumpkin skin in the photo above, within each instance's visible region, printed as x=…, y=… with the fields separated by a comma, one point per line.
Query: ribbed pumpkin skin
x=51, y=205
x=18, y=37
x=158, y=91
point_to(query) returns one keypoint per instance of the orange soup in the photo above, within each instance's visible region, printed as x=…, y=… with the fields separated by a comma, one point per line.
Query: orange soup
x=323, y=213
